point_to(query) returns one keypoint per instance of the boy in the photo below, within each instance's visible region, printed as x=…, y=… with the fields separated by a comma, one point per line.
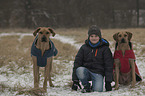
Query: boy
x=93, y=62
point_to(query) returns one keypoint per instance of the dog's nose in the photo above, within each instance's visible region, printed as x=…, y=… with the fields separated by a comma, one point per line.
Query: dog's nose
x=122, y=40
x=44, y=39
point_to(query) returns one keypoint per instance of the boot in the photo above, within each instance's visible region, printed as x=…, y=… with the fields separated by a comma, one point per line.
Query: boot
x=87, y=88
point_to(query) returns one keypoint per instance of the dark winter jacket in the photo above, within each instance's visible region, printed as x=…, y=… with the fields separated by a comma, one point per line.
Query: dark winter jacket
x=102, y=63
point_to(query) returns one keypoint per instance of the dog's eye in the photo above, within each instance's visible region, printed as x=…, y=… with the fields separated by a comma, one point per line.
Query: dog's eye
x=47, y=32
x=40, y=32
x=119, y=36
x=125, y=35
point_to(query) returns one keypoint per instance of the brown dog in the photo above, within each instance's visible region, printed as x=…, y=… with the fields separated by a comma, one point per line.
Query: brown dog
x=124, y=73
x=42, y=44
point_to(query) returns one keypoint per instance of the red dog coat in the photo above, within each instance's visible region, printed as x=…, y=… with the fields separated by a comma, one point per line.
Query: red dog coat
x=124, y=60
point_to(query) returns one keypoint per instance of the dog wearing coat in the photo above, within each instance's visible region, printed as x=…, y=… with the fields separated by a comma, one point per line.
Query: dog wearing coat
x=42, y=52
x=125, y=68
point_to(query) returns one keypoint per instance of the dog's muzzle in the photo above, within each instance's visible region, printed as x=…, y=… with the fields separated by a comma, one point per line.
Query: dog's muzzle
x=123, y=40
x=44, y=39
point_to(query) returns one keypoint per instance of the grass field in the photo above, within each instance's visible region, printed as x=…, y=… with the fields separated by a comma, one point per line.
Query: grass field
x=15, y=58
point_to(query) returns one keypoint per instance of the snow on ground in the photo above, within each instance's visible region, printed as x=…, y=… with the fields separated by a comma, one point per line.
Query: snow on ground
x=17, y=78
x=68, y=40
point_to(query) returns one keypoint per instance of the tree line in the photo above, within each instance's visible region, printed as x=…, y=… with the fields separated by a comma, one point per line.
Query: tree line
x=72, y=13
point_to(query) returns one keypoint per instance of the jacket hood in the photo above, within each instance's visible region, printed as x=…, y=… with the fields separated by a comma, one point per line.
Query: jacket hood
x=103, y=42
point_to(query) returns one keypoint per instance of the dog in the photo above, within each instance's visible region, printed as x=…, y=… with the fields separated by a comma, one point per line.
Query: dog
x=125, y=69
x=42, y=52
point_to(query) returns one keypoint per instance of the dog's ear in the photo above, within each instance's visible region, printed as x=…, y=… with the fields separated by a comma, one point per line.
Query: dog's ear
x=36, y=31
x=115, y=36
x=51, y=30
x=129, y=35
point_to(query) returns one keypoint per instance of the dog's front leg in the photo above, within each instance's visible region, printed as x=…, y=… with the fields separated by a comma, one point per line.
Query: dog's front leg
x=46, y=72
x=49, y=75
x=132, y=64
x=117, y=65
x=35, y=72
x=49, y=60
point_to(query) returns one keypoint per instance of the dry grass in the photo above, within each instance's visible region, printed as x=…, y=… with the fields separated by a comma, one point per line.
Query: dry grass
x=14, y=52
x=81, y=33
x=138, y=33
x=32, y=92
x=143, y=51
x=65, y=51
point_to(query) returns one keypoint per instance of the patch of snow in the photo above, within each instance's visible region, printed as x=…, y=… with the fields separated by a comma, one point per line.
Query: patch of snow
x=17, y=78
x=68, y=40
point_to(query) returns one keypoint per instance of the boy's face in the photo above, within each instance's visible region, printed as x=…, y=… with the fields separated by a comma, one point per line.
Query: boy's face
x=94, y=38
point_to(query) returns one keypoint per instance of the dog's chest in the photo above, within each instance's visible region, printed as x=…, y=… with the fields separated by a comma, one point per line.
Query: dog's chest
x=124, y=59
x=42, y=59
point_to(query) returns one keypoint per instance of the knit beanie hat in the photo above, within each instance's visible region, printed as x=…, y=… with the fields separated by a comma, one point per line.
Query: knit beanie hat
x=94, y=30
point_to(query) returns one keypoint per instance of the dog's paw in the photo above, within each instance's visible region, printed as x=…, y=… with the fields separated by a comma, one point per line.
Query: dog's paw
x=116, y=87
x=133, y=84
x=43, y=90
x=51, y=85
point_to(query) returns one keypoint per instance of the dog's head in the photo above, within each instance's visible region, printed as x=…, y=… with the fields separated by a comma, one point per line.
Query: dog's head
x=122, y=37
x=44, y=33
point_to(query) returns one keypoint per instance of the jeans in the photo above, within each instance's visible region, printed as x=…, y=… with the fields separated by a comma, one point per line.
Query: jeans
x=84, y=75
